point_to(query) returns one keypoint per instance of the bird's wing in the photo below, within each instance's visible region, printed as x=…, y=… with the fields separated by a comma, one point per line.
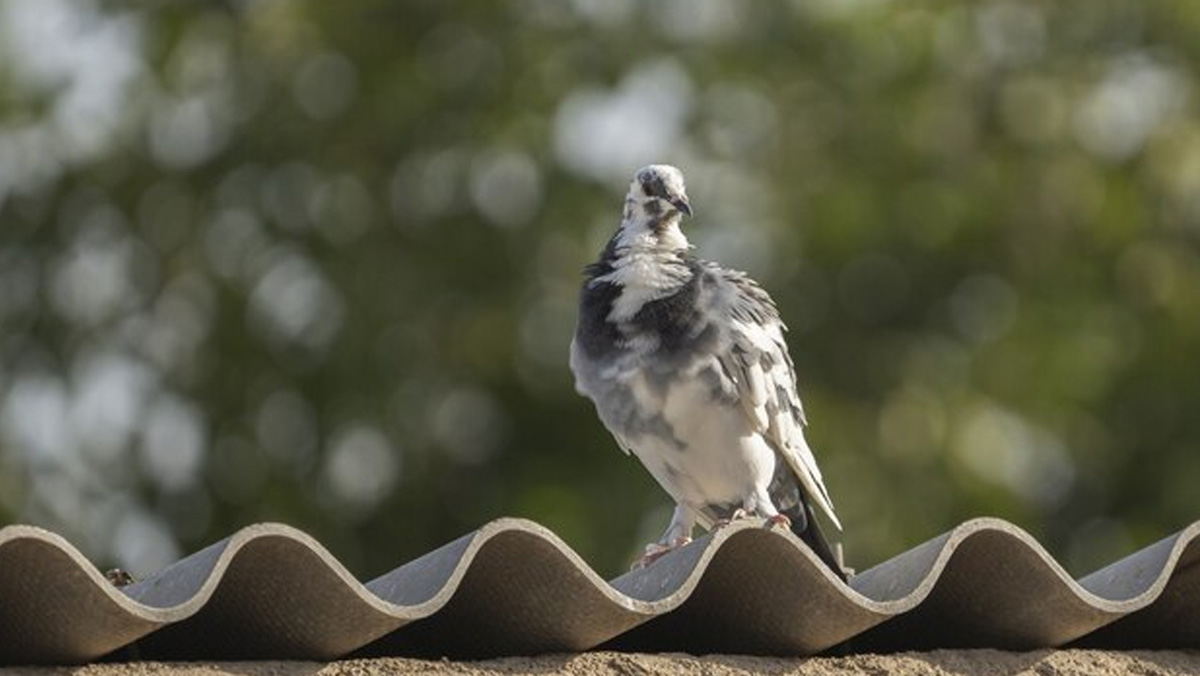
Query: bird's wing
x=756, y=359
x=584, y=372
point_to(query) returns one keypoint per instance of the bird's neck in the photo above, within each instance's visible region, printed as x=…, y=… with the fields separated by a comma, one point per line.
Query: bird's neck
x=642, y=233
x=644, y=264
x=643, y=243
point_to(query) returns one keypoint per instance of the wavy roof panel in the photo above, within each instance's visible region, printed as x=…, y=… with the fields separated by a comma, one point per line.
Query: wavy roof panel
x=512, y=587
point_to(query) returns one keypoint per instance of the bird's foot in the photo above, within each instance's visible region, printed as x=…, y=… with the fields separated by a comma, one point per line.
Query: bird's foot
x=737, y=514
x=118, y=577
x=777, y=521
x=657, y=550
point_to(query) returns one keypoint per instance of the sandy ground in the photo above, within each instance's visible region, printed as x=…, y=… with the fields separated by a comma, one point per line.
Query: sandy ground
x=967, y=663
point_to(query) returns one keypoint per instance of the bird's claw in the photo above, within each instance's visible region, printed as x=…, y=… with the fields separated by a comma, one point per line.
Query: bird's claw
x=778, y=520
x=737, y=514
x=657, y=550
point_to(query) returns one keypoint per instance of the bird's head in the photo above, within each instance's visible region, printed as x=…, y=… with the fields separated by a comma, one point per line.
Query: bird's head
x=656, y=203
x=658, y=190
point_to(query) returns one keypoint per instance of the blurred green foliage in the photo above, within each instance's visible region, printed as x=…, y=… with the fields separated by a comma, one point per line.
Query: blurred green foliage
x=317, y=262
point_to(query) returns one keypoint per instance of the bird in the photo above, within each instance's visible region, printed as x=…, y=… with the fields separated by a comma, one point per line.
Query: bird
x=687, y=366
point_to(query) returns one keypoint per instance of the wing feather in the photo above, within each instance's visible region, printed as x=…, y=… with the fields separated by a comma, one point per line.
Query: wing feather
x=765, y=380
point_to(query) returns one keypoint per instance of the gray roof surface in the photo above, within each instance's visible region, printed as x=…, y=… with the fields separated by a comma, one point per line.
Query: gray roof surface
x=513, y=587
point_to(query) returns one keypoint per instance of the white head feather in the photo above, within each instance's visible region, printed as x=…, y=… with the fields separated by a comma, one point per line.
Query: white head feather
x=654, y=206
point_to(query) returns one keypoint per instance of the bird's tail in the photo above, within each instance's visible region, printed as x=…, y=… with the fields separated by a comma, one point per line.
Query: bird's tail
x=805, y=526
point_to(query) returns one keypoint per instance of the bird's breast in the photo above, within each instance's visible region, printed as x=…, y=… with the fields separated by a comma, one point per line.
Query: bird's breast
x=713, y=455
x=684, y=426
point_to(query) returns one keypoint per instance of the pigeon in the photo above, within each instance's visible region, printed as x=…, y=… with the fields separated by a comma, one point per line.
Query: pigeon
x=687, y=366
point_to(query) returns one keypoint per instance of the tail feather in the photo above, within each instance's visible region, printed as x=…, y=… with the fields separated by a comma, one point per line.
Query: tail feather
x=805, y=526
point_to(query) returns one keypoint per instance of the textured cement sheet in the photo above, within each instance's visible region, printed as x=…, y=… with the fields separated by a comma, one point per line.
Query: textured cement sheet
x=514, y=588
x=600, y=663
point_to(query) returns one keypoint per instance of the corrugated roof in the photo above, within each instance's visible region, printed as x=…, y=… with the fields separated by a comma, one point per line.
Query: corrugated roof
x=513, y=587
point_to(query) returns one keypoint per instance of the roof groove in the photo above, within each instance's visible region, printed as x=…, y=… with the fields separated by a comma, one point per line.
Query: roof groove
x=513, y=587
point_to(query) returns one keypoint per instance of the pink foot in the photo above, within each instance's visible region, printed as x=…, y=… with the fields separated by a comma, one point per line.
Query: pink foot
x=657, y=550
x=737, y=514
x=779, y=520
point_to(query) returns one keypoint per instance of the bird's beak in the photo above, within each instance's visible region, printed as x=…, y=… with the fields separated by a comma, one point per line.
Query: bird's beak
x=681, y=203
